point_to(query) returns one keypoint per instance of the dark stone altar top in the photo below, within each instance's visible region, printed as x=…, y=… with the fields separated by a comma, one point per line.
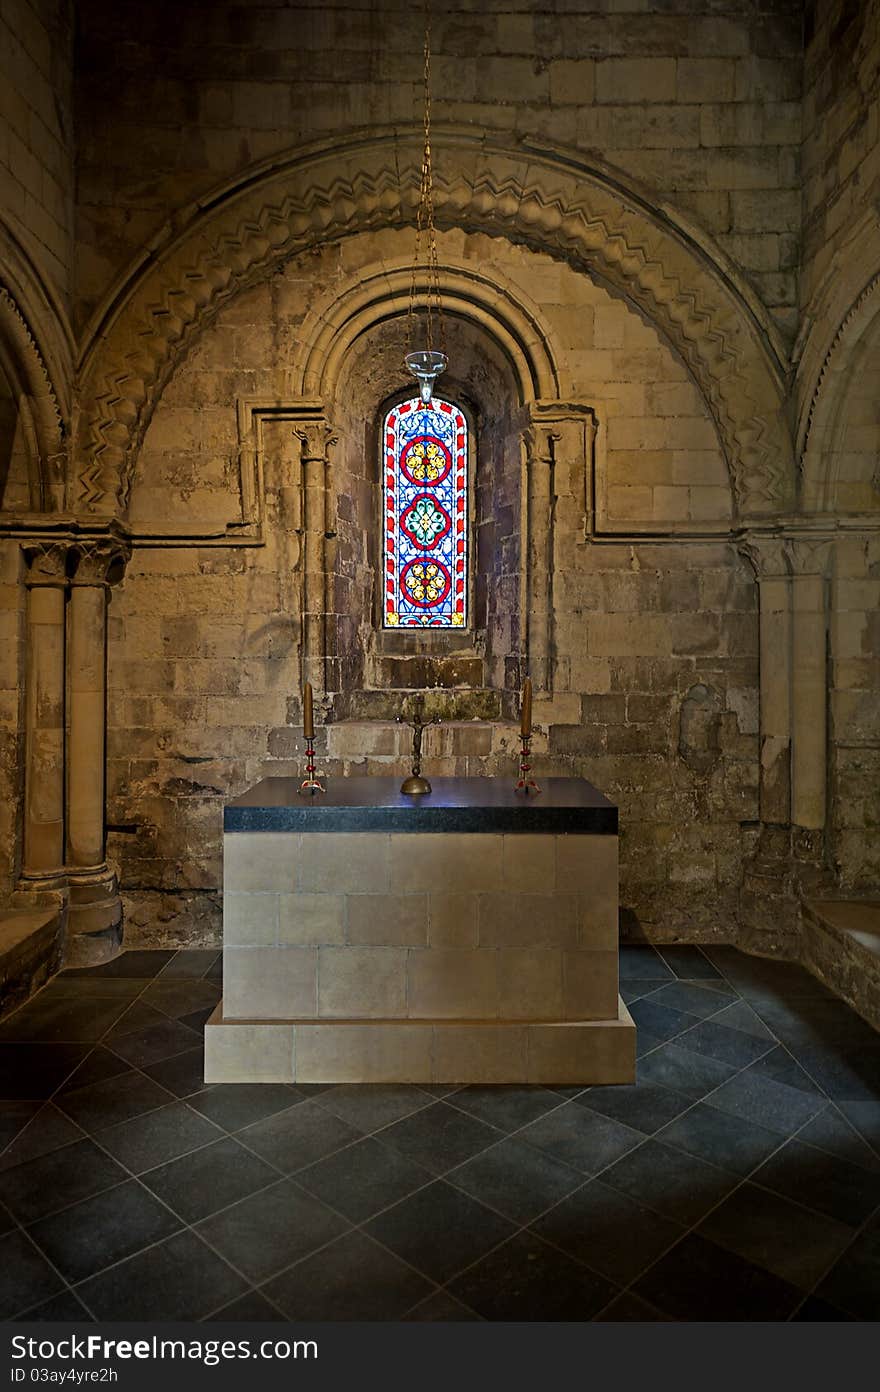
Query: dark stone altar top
x=454, y=804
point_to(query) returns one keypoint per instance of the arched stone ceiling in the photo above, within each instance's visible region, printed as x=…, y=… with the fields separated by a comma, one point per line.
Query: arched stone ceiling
x=545, y=199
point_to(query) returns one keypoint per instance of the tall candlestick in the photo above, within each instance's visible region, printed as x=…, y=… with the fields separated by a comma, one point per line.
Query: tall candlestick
x=525, y=727
x=308, y=715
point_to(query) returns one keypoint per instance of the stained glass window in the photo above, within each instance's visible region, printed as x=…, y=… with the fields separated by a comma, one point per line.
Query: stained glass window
x=425, y=528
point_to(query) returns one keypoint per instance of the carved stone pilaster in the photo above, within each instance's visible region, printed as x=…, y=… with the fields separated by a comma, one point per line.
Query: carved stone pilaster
x=318, y=512
x=46, y=580
x=768, y=556
x=96, y=563
x=809, y=561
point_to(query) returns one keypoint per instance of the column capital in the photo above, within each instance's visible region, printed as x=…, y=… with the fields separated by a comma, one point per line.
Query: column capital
x=100, y=561
x=48, y=562
x=316, y=437
x=809, y=556
x=768, y=555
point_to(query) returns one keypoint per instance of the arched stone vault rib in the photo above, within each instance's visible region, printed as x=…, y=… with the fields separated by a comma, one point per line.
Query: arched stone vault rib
x=556, y=206
x=485, y=297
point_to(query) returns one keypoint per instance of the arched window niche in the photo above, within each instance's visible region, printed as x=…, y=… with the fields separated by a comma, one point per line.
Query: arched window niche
x=379, y=659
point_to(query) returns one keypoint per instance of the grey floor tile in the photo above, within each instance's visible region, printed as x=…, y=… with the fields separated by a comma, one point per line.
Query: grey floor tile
x=726, y=1141
x=252, y=1307
x=581, y=1138
x=440, y=1308
x=630, y=1309
x=352, y=1279
x=297, y=1137
x=154, y=1043
x=363, y=1178
x=178, y=998
x=36, y=1133
x=792, y=1242
x=641, y=963
x=190, y=962
x=184, y=1074
x=208, y=1179
x=817, y=1311
x=56, y=1180
x=660, y=1021
x=440, y=1137
x=97, y=1067
x=143, y=964
x=633, y=989
x=853, y=1284
x=698, y=1280
x=865, y=1117
x=688, y=962
x=26, y=1278
x=846, y=1192
x=642, y=1106
x=741, y=1016
x=180, y=1279
x=682, y=1070
x=32, y=1072
x=590, y=1224
x=508, y=1108
x=439, y=1231
x=832, y=1132
x=159, y=1136
x=851, y=1077
x=526, y=1279
x=65, y=1307
x=516, y=1179
x=760, y=1100
x=102, y=1230
x=730, y=1046
x=100, y=1105
x=780, y=1067
x=371, y=1106
x=678, y=1185
x=62, y=1019
x=267, y=1232
x=692, y=999
x=236, y=1105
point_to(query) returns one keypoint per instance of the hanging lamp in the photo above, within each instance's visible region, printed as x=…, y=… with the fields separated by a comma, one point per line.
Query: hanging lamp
x=426, y=358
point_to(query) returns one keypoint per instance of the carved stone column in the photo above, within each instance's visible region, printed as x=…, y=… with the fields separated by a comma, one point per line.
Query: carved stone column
x=87, y=702
x=46, y=581
x=316, y=437
x=768, y=556
x=537, y=544
x=809, y=560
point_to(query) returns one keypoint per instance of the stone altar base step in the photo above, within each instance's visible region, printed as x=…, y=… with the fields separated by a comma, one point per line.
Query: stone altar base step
x=420, y=1051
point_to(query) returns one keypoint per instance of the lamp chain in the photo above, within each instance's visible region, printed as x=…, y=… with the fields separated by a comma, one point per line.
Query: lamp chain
x=425, y=228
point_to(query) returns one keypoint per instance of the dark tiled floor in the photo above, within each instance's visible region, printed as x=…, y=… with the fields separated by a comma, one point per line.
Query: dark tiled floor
x=739, y=1179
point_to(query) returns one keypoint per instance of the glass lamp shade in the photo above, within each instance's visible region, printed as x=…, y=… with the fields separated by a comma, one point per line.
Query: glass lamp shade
x=426, y=365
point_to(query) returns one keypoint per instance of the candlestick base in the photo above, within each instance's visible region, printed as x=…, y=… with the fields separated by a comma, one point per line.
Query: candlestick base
x=310, y=784
x=525, y=784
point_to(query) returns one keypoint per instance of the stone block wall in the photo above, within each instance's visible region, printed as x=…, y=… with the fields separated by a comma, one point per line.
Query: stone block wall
x=11, y=735
x=36, y=130
x=841, y=114
x=655, y=639
x=703, y=108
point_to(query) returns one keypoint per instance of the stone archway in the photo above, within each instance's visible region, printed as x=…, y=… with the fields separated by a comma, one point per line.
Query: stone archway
x=550, y=201
x=36, y=358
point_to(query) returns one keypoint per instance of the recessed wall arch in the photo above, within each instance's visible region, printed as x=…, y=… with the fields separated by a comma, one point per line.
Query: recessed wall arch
x=488, y=299
x=551, y=201
x=36, y=358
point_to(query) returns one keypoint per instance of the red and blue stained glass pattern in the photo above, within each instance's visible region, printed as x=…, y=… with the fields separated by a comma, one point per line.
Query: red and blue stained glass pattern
x=425, y=513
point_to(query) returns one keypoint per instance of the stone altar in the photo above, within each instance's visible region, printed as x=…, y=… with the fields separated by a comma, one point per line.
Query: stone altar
x=466, y=936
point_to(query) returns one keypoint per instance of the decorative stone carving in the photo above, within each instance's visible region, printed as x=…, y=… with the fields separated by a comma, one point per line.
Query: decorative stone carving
x=555, y=205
